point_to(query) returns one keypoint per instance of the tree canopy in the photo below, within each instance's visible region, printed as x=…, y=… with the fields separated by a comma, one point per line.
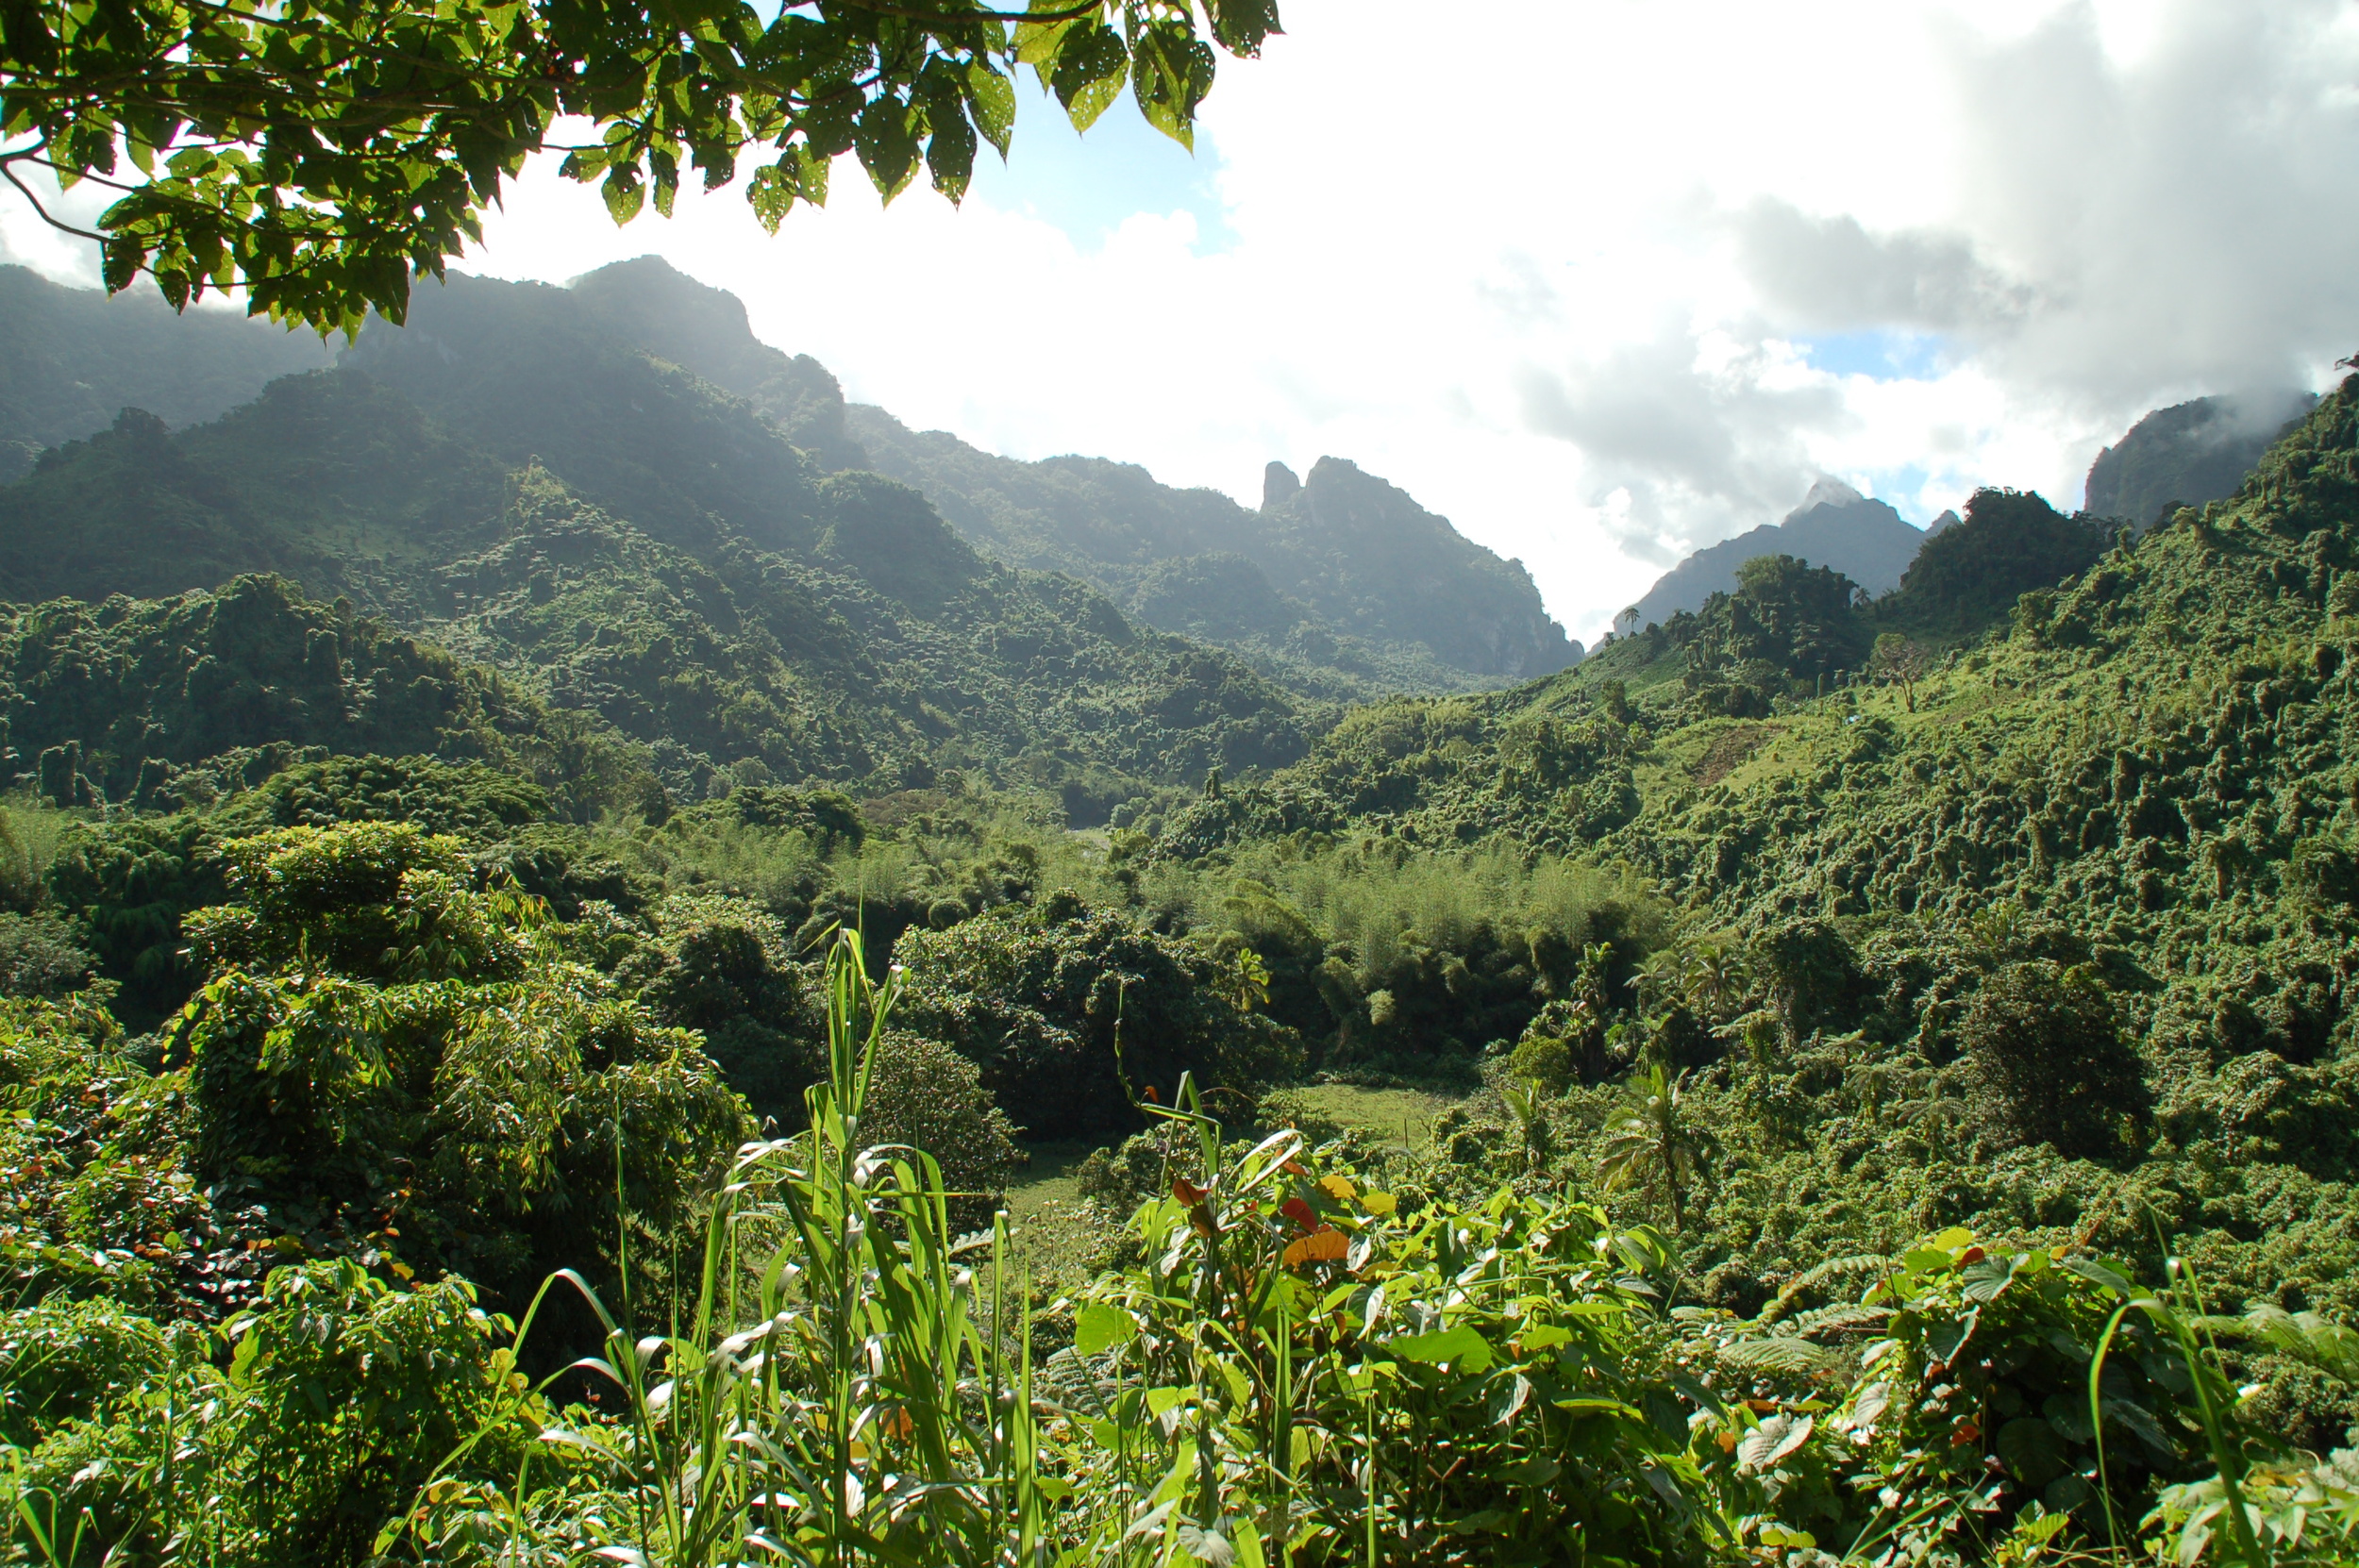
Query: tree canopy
x=318, y=152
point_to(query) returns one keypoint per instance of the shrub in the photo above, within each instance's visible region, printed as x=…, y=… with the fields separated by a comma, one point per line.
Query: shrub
x=923, y=1094
x=721, y=966
x=331, y=1405
x=1040, y=1005
x=1542, y=1060
x=39, y=955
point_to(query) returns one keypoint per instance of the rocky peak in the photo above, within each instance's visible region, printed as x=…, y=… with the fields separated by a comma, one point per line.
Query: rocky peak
x=1827, y=491
x=1279, y=486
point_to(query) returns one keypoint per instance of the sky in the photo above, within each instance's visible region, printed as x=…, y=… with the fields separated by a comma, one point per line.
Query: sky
x=1602, y=281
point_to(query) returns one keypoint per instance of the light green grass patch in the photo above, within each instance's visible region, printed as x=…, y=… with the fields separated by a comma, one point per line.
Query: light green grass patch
x=1399, y=1117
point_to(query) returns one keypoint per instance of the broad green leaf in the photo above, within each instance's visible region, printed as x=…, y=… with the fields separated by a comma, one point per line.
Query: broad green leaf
x=950, y=150
x=1243, y=25
x=887, y=144
x=2032, y=1450
x=1984, y=1281
x=1461, y=1346
x=623, y=194
x=991, y=99
x=1091, y=66
x=1097, y=1328
x=2098, y=1273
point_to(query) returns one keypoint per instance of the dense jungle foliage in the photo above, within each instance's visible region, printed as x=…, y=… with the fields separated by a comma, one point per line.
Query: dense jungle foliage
x=1902, y=1085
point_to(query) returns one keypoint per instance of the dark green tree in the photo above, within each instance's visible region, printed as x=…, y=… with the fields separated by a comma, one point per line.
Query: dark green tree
x=2050, y=1064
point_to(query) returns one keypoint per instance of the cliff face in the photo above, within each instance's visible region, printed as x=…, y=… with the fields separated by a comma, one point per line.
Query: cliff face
x=1866, y=540
x=1352, y=556
x=1365, y=554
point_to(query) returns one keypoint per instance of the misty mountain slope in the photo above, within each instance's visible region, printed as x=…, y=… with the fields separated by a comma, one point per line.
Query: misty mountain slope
x=649, y=394
x=1865, y=540
x=72, y=359
x=329, y=478
x=516, y=479
x=530, y=372
x=2189, y=454
x=674, y=317
x=1360, y=555
x=1360, y=586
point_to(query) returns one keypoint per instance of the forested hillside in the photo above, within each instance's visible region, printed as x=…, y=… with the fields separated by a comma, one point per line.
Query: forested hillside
x=2118, y=817
x=510, y=478
x=2189, y=454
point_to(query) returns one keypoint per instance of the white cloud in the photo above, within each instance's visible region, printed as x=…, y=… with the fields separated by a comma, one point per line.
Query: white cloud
x=1602, y=282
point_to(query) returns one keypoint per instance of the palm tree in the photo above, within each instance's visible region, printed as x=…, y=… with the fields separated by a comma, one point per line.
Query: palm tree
x=1527, y=1102
x=1714, y=977
x=1651, y=1144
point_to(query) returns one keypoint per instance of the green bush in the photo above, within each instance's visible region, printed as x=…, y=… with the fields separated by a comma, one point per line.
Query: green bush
x=291, y=1438
x=1068, y=1019
x=1542, y=1059
x=924, y=1095
x=39, y=955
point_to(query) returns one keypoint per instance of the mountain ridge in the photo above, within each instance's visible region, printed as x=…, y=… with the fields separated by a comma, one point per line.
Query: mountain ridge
x=1460, y=615
x=510, y=477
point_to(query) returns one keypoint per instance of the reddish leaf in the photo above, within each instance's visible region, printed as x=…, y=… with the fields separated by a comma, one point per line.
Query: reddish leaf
x=1300, y=1211
x=1187, y=1191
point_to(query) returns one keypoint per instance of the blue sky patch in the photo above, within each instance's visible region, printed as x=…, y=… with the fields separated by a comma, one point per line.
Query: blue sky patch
x=1087, y=185
x=1877, y=356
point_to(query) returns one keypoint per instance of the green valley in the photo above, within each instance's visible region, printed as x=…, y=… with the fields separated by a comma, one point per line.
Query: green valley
x=556, y=876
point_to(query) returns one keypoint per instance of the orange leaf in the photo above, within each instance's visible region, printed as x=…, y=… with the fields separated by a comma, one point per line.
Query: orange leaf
x=1969, y=1430
x=1153, y=1098
x=1300, y=1211
x=1294, y=1167
x=1187, y=1191
x=1323, y=1245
